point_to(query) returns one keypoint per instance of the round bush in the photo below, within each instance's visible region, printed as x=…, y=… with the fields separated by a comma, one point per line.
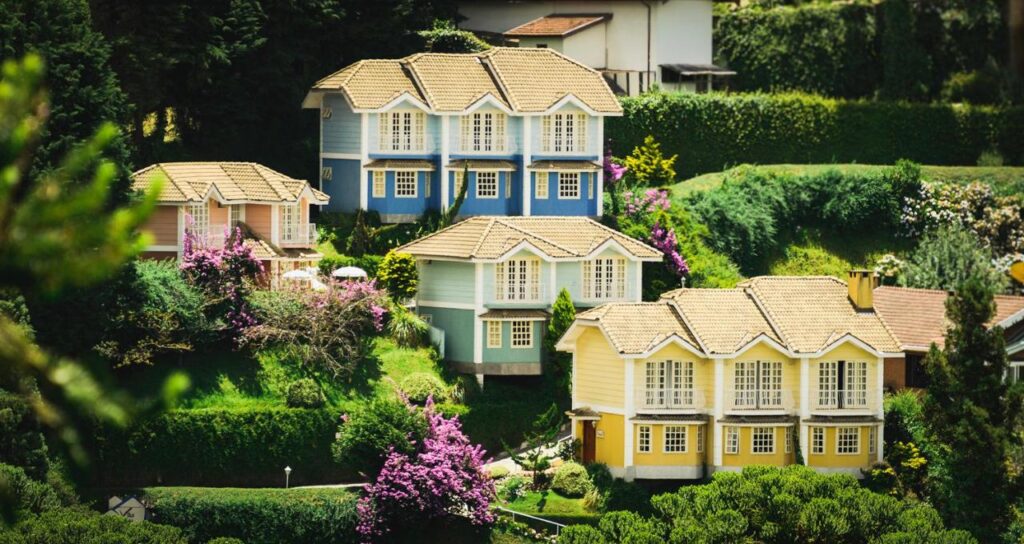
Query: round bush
x=497, y=473
x=420, y=385
x=572, y=480
x=305, y=393
x=600, y=476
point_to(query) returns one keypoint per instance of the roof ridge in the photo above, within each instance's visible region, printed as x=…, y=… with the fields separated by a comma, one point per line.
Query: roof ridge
x=769, y=317
x=524, y=231
x=435, y=233
x=483, y=237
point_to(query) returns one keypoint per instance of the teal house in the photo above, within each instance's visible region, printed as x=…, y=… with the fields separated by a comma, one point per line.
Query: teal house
x=520, y=130
x=487, y=284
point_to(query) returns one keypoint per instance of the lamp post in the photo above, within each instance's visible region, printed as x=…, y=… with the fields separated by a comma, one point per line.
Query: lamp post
x=287, y=473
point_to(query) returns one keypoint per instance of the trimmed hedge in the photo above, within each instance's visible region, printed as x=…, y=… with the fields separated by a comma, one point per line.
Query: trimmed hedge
x=711, y=132
x=258, y=516
x=369, y=263
x=245, y=447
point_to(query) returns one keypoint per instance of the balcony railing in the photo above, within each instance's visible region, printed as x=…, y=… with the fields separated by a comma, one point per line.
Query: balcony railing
x=841, y=399
x=302, y=234
x=530, y=293
x=758, y=399
x=669, y=399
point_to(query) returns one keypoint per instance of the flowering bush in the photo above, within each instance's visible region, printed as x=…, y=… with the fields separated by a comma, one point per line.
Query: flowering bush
x=613, y=171
x=329, y=329
x=664, y=239
x=638, y=207
x=998, y=221
x=444, y=476
x=224, y=273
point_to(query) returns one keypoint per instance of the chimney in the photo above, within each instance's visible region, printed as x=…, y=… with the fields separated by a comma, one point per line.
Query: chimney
x=861, y=285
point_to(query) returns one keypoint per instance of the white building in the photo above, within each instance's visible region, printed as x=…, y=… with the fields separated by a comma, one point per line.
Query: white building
x=635, y=43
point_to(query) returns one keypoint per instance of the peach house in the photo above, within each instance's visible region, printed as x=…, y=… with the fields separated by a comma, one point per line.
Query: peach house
x=209, y=199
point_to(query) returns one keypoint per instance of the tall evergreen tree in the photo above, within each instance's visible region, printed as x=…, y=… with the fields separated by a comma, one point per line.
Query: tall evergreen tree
x=563, y=313
x=972, y=413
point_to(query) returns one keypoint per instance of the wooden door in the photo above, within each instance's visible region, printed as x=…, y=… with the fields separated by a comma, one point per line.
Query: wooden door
x=589, y=441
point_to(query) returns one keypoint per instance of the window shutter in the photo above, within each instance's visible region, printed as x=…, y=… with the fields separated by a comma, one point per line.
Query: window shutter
x=383, y=131
x=508, y=185
x=588, y=271
x=620, y=278
x=500, y=136
x=581, y=132
x=426, y=185
x=499, y=281
x=545, y=134
x=419, y=126
x=534, y=279
x=466, y=124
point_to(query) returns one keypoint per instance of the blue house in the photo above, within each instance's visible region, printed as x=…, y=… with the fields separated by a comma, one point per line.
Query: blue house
x=486, y=284
x=521, y=130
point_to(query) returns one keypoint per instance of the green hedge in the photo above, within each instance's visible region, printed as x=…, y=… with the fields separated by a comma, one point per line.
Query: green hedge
x=245, y=447
x=711, y=132
x=258, y=516
x=368, y=263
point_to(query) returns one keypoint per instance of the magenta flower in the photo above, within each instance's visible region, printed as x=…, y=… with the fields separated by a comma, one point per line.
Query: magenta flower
x=665, y=240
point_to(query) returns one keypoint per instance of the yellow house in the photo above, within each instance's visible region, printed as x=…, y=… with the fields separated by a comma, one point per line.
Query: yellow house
x=777, y=369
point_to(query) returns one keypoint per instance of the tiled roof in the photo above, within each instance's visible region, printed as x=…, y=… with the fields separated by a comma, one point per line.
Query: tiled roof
x=235, y=181
x=525, y=80
x=560, y=24
x=492, y=237
x=918, y=316
x=802, y=314
x=482, y=164
x=515, y=314
x=398, y=164
x=564, y=165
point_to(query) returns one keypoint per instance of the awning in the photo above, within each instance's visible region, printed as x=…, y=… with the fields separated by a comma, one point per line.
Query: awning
x=482, y=164
x=669, y=418
x=583, y=413
x=843, y=419
x=758, y=420
x=574, y=166
x=400, y=164
x=515, y=315
x=698, y=69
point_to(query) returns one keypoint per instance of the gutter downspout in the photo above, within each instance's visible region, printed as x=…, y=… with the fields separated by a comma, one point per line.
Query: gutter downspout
x=647, y=4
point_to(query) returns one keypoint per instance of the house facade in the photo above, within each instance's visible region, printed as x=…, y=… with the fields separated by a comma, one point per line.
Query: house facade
x=717, y=379
x=521, y=131
x=486, y=284
x=917, y=317
x=211, y=199
x=635, y=44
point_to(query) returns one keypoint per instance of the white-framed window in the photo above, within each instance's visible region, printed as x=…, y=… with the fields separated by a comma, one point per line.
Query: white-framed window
x=236, y=214
x=517, y=280
x=427, y=318
x=843, y=384
x=564, y=133
x=484, y=132
x=856, y=385
x=200, y=218
x=290, y=222
x=762, y=440
x=493, y=334
x=1016, y=371
x=604, y=278
x=758, y=384
x=828, y=383
x=817, y=440
x=540, y=185
x=405, y=184
x=403, y=131
x=426, y=184
x=789, y=439
x=568, y=185
x=487, y=185
x=872, y=440
x=675, y=439
x=668, y=384
x=460, y=180
x=732, y=440
x=700, y=439
x=643, y=439
x=847, y=440
x=522, y=334
x=380, y=184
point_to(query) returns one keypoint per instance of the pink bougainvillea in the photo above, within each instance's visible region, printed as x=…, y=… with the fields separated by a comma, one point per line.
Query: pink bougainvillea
x=223, y=271
x=665, y=240
x=613, y=171
x=652, y=201
x=444, y=477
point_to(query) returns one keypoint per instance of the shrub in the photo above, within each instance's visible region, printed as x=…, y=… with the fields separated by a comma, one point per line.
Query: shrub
x=371, y=430
x=571, y=480
x=563, y=313
x=998, y=221
x=305, y=393
x=581, y=534
x=398, y=274
x=31, y=496
x=21, y=438
x=600, y=475
x=75, y=526
x=946, y=258
x=223, y=273
x=258, y=515
x=646, y=166
x=419, y=386
x=369, y=264
x=247, y=447
x=512, y=488
x=406, y=328
x=445, y=37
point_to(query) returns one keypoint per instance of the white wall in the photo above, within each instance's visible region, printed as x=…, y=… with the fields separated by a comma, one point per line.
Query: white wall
x=588, y=46
x=682, y=32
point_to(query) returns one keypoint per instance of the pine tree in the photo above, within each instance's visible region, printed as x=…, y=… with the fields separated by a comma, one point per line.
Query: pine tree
x=971, y=412
x=563, y=313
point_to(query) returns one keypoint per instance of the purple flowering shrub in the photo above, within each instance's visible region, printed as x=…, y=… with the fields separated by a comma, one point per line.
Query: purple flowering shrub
x=613, y=173
x=664, y=239
x=640, y=207
x=327, y=329
x=443, y=477
x=225, y=273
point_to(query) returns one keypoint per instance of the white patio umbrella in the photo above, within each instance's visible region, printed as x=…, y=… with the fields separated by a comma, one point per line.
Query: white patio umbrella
x=349, y=272
x=299, y=274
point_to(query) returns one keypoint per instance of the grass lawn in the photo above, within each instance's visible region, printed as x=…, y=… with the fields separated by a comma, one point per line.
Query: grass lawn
x=1004, y=179
x=548, y=504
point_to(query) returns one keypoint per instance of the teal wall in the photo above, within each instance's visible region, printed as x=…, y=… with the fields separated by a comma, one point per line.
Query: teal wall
x=443, y=281
x=458, y=328
x=341, y=131
x=506, y=353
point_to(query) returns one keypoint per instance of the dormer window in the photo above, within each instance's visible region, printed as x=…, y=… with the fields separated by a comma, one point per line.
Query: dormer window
x=403, y=131
x=564, y=133
x=484, y=132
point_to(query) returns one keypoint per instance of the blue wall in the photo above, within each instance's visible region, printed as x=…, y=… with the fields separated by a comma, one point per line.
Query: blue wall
x=390, y=204
x=341, y=132
x=552, y=205
x=490, y=206
x=343, y=187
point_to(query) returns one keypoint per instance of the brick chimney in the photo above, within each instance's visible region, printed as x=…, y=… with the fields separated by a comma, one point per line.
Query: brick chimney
x=861, y=285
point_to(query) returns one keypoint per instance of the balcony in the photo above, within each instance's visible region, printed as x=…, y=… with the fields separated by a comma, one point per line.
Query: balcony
x=845, y=400
x=759, y=400
x=529, y=293
x=669, y=400
x=298, y=235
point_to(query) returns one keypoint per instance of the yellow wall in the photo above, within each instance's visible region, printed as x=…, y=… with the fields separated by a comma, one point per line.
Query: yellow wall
x=657, y=456
x=703, y=370
x=745, y=457
x=830, y=459
x=600, y=373
x=764, y=352
x=610, y=433
x=850, y=352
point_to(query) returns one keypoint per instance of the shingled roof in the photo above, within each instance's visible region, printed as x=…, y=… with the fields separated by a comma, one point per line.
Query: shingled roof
x=557, y=25
x=488, y=238
x=186, y=182
x=803, y=315
x=525, y=80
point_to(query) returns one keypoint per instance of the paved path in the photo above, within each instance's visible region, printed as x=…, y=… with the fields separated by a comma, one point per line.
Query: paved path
x=503, y=460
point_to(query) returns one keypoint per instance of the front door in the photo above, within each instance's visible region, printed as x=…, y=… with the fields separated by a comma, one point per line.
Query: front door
x=589, y=441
